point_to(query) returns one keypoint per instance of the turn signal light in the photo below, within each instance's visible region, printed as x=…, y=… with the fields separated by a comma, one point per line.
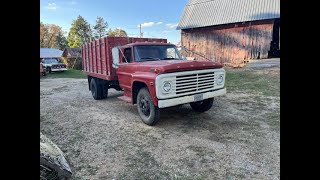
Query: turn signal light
x=154, y=70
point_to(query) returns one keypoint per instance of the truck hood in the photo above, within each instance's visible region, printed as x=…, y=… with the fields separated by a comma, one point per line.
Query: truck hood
x=168, y=66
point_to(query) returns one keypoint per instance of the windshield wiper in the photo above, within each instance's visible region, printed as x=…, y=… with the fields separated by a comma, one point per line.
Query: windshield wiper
x=167, y=58
x=153, y=58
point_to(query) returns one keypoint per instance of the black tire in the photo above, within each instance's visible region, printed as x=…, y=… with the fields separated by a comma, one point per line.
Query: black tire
x=95, y=89
x=49, y=70
x=99, y=88
x=149, y=113
x=202, y=106
x=89, y=82
x=44, y=73
x=105, y=87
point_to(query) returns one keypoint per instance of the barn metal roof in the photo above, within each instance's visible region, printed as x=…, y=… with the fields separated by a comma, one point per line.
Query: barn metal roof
x=201, y=13
x=50, y=53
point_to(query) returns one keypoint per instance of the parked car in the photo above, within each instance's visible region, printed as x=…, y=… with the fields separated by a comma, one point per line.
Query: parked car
x=53, y=65
x=42, y=70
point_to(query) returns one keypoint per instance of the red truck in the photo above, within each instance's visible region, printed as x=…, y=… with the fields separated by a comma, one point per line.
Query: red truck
x=152, y=74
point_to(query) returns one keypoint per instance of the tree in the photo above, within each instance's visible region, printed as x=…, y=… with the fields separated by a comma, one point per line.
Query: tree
x=100, y=29
x=43, y=34
x=80, y=32
x=117, y=33
x=50, y=34
x=73, y=39
x=62, y=41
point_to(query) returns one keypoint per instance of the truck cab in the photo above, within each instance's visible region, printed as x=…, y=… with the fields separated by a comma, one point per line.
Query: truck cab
x=153, y=76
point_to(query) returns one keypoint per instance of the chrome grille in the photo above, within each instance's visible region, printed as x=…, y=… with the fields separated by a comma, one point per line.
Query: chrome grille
x=193, y=83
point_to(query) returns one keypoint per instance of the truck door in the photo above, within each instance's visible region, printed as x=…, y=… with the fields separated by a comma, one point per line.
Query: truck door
x=124, y=71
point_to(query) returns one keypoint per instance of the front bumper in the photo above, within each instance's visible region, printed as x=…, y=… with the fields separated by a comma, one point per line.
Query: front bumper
x=187, y=99
x=59, y=69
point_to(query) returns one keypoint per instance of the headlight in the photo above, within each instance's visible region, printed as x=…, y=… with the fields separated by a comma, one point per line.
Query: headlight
x=166, y=86
x=220, y=79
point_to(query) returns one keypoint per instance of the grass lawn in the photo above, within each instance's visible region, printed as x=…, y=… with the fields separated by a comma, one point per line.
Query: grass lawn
x=70, y=73
x=250, y=81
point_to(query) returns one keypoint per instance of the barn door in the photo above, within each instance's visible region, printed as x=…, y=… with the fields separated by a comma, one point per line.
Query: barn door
x=275, y=43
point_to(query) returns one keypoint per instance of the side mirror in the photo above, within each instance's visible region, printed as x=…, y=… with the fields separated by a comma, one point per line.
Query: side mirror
x=115, y=57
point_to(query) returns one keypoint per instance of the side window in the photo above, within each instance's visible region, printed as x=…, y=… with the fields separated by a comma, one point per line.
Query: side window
x=171, y=53
x=127, y=55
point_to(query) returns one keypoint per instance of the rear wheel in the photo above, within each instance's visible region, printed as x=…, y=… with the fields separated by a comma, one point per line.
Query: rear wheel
x=149, y=113
x=202, y=106
x=99, y=88
x=95, y=90
x=104, y=87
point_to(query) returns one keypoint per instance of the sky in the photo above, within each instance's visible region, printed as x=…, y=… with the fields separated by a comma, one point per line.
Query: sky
x=159, y=18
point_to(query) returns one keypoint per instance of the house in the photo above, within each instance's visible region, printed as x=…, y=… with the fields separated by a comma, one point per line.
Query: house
x=231, y=31
x=72, y=57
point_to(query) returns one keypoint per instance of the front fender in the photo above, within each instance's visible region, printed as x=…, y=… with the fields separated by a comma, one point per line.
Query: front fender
x=149, y=80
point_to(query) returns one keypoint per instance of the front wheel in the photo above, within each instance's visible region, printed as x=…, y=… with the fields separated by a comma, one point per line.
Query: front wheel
x=149, y=113
x=49, y=70
x=202, y=106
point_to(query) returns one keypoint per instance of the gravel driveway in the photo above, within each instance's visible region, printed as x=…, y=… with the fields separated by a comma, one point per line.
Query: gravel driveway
x=239, y=138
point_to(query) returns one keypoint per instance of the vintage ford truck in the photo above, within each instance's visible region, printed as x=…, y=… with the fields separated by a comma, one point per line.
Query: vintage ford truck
x=152, y=74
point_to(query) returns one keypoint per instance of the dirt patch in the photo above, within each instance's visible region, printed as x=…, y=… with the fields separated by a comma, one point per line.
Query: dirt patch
x=239, y=138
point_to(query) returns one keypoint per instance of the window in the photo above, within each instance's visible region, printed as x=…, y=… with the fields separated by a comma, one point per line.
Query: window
x=51, y=61
x=127, y=56
x=171, y=53
x=156, y=52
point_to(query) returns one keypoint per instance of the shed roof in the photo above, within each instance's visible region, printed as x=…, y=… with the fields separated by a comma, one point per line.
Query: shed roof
x=50, y=53
x=74, y=52
x=202, y=13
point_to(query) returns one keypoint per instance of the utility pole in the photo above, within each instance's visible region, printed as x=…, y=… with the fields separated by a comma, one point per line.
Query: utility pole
x=140, y=32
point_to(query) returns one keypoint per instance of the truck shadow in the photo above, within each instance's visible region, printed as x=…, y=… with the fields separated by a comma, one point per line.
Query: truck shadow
x=213, y=124
x=209, y=125
x=183, y=116
x=113, y=96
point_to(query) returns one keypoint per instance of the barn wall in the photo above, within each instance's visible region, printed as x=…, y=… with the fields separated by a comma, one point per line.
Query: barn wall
x=232, y=43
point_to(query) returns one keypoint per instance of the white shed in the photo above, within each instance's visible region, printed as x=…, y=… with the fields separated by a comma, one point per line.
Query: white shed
x=50, y=53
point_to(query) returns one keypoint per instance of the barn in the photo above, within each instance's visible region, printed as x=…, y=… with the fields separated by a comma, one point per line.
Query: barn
x=72, y=57
x=231, y=31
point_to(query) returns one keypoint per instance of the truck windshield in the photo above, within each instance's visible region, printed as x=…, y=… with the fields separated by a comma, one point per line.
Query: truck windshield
x=51, y=61
x=156, y=52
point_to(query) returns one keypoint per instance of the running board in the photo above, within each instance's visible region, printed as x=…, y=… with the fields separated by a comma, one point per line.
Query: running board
x=125, y=98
